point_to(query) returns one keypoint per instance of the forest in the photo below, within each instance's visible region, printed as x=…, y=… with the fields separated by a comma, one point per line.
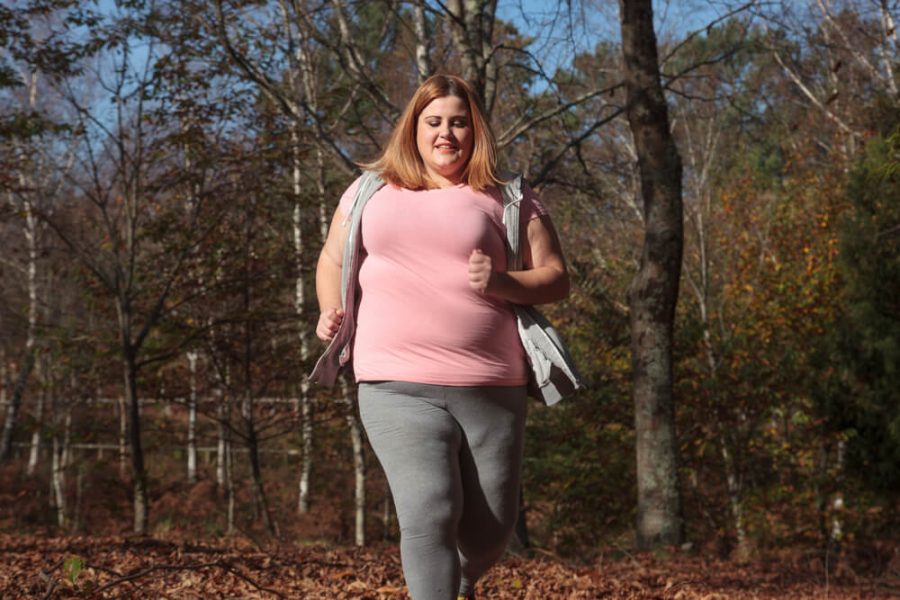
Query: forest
x=169, y=171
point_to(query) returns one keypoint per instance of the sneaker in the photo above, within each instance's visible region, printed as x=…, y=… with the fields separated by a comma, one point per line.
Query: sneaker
x=469, y=596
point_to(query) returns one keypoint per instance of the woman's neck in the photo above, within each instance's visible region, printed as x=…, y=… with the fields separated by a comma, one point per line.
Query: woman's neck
x=436, y=180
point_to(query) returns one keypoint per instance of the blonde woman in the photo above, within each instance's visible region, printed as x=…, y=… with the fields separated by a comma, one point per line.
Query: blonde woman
x=435, y=349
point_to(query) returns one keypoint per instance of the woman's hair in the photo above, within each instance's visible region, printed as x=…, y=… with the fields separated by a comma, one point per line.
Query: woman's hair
x=401, y=164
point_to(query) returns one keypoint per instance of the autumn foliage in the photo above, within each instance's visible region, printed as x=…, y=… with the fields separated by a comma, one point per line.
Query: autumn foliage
x=165, y=173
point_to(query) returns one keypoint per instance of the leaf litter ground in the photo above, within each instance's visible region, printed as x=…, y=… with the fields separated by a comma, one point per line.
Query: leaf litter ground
x=144, y=567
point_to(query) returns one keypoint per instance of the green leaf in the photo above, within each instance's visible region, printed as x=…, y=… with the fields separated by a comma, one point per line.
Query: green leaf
x=72, y=567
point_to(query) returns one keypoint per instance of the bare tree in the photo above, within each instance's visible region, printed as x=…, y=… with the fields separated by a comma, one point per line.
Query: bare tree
x=122, y=186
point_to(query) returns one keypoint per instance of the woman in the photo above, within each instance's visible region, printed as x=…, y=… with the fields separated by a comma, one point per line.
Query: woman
x=441, y=370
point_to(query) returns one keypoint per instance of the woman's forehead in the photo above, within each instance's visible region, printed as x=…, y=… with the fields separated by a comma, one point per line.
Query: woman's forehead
x=444, y=105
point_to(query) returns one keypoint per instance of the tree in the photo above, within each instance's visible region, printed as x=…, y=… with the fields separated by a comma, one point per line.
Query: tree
x=864, y=406
x=125, y=220
x=654, y=291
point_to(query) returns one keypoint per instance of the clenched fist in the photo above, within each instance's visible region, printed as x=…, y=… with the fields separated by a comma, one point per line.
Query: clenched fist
x=329, y=322
x=481, y=271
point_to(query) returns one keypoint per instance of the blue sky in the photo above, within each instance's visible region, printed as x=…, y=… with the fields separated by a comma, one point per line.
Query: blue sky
x=560, y=34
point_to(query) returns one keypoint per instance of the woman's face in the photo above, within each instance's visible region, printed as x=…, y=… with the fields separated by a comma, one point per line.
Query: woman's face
x=444, y=138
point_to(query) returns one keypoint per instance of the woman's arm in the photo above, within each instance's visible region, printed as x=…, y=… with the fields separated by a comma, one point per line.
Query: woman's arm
x=328, y=279
x=545, y=278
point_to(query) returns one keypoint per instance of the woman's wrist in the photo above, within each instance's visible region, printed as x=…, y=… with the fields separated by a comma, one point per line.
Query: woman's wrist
x=532, y=286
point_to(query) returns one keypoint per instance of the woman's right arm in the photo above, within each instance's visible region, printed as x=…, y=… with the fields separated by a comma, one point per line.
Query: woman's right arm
x=328, y=278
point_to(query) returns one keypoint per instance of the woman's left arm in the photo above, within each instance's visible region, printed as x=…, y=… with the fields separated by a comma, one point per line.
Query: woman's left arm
x=545, y=278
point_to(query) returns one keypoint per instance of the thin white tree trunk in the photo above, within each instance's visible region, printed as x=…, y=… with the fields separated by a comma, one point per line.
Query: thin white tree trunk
x=734, y=501
x=59, y=460
x=300, y=251
x=306, y=466
x=792, y=75
x=323, y=202
x=359, y=464
x=192, y=355
x=837, y=504
x=423, y=60
x=222, y=444
x=192, y=419
x=306, y=85
x=58, y=484
x=123, y=438
x=229, y=486
x=223, y=420
x=886, y=76
x=34, y=453
x=67, y=439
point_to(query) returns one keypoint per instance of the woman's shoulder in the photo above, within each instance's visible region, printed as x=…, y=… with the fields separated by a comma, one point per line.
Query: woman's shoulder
x=368, y=177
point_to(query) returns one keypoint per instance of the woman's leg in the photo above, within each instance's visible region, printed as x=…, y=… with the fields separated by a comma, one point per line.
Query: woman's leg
x=493, y=425
x=418, y=443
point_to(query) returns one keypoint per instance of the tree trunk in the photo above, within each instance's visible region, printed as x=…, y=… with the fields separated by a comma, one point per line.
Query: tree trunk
x=359, y=465
x=57, y=476
x=303, y=330
x=15, y=402
x=59, y=461
x=229, y=487
x=654, y=291
x=192, y=420
x=34, y=453
x=138, y=473
x=259, y=493
x=222, y=417
x=222, y=420
x=837, y=504
x=67, y=438
x=472, y=28
x=420, y=26
x=306, y=465
x=735, y=501
x=123, y=436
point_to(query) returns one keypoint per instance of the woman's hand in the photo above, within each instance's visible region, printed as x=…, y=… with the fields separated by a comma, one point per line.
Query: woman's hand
x=329, y=322
x=481, y=271
x=543, y=278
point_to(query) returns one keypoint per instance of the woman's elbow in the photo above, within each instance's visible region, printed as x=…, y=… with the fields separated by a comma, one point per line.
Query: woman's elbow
x=561, y=287
x=565, y=285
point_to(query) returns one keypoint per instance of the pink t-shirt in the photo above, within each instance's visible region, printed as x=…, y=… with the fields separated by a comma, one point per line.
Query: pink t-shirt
x=418, y=319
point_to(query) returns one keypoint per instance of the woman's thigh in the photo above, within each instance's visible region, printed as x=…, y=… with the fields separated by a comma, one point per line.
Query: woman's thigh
x=417, y=442
x=492, y=421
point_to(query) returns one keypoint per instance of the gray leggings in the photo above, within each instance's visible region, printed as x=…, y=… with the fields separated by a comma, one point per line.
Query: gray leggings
x=453, y=458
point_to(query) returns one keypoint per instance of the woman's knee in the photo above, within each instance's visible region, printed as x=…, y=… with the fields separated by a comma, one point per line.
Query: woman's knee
x=433, y=515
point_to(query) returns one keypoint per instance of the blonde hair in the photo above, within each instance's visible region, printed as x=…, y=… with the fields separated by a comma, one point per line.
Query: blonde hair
x=401, y=165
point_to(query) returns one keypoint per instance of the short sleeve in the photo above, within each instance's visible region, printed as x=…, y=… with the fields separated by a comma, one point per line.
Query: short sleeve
x=532, y=207
x=346, y=203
